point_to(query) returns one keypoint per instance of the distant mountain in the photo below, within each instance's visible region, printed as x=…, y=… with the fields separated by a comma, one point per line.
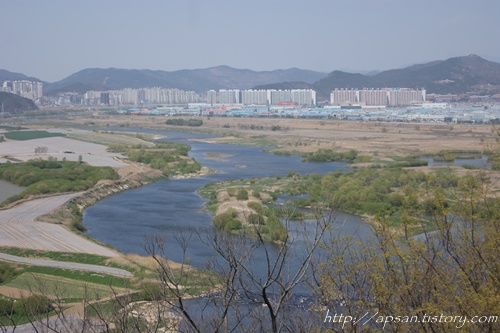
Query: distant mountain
x=12, y=103
x=455, y=75
x=286, y=85
x=11, y=76
x=221, y=77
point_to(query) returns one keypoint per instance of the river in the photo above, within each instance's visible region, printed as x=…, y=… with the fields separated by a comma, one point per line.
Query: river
x=173, y=209
x=126, y=219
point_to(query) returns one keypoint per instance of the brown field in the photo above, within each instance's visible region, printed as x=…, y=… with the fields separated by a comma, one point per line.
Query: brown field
x=370, y=138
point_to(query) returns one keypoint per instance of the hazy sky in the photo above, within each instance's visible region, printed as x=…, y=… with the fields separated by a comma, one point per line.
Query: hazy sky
x=51, y=39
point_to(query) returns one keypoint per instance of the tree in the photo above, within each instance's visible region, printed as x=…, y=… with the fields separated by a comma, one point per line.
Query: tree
x=451, y=271
x=268, y=289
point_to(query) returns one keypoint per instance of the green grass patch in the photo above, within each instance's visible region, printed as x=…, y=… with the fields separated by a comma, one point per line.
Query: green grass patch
x=11, y=128
x=82, y=258
x=84, y=276
x=30, y=135
x=112, y=138
x=64, y=288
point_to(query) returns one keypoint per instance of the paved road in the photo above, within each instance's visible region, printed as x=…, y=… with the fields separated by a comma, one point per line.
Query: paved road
x=19, y=228
x=66, y=265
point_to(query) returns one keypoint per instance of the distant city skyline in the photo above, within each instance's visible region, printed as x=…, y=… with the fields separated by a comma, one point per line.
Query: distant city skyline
x=53, y=39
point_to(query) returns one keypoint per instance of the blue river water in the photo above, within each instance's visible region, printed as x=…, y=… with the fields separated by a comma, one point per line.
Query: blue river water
x=174, y=210
x=125, y=220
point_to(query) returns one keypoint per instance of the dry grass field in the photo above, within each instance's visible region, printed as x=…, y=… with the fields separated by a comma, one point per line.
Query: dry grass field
x=304, y=135
x=371, y=138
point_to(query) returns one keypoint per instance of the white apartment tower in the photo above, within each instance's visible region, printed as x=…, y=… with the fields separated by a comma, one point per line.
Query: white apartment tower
x=378, y=96
x=27, y=89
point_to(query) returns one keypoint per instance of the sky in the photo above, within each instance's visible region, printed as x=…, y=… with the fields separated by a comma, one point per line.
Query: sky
x=52, y=39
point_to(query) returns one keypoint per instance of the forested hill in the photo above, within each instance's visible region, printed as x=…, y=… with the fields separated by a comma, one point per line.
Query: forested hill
x=11, y=103
x=455, y=75
x=200, y=80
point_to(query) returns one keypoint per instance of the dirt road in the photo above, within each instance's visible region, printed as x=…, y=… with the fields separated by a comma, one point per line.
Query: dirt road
x=19, y=228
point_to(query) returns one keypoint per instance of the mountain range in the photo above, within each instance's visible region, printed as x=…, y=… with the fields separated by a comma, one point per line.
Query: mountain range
x=455, y=75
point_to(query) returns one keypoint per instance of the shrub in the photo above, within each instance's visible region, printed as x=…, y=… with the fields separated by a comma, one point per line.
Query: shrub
x=277, y=230
x=374, y=207
x=78, y=225
x=395, y=199
x=291, y=214
x=227, y=220
x=255, y=206
x=6, y=307
x=182, y=122
x=256, y=219
x=33, y=305
x=328, y=155
x=52, y=176
x=469, y=167
x=242, y=194
x=152, y=291
x=233, y=225
x=6, y=271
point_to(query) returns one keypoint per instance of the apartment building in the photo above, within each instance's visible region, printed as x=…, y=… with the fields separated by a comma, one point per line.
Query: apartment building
x=262, y=97
x=378, y=96
x=27, y=89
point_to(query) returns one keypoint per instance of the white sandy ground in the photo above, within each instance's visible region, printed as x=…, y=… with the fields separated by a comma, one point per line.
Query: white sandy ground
x=60, y=147
x=19, y=228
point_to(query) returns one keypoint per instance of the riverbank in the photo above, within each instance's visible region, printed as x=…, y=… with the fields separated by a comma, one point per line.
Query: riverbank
x=46, y=223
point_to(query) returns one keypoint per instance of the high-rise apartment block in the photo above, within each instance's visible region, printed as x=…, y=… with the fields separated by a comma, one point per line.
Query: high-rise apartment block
x=258, y=97
x=262, y=97
x=303, y=96
x=378, y=97
x=27, y=89
x=144, y=96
